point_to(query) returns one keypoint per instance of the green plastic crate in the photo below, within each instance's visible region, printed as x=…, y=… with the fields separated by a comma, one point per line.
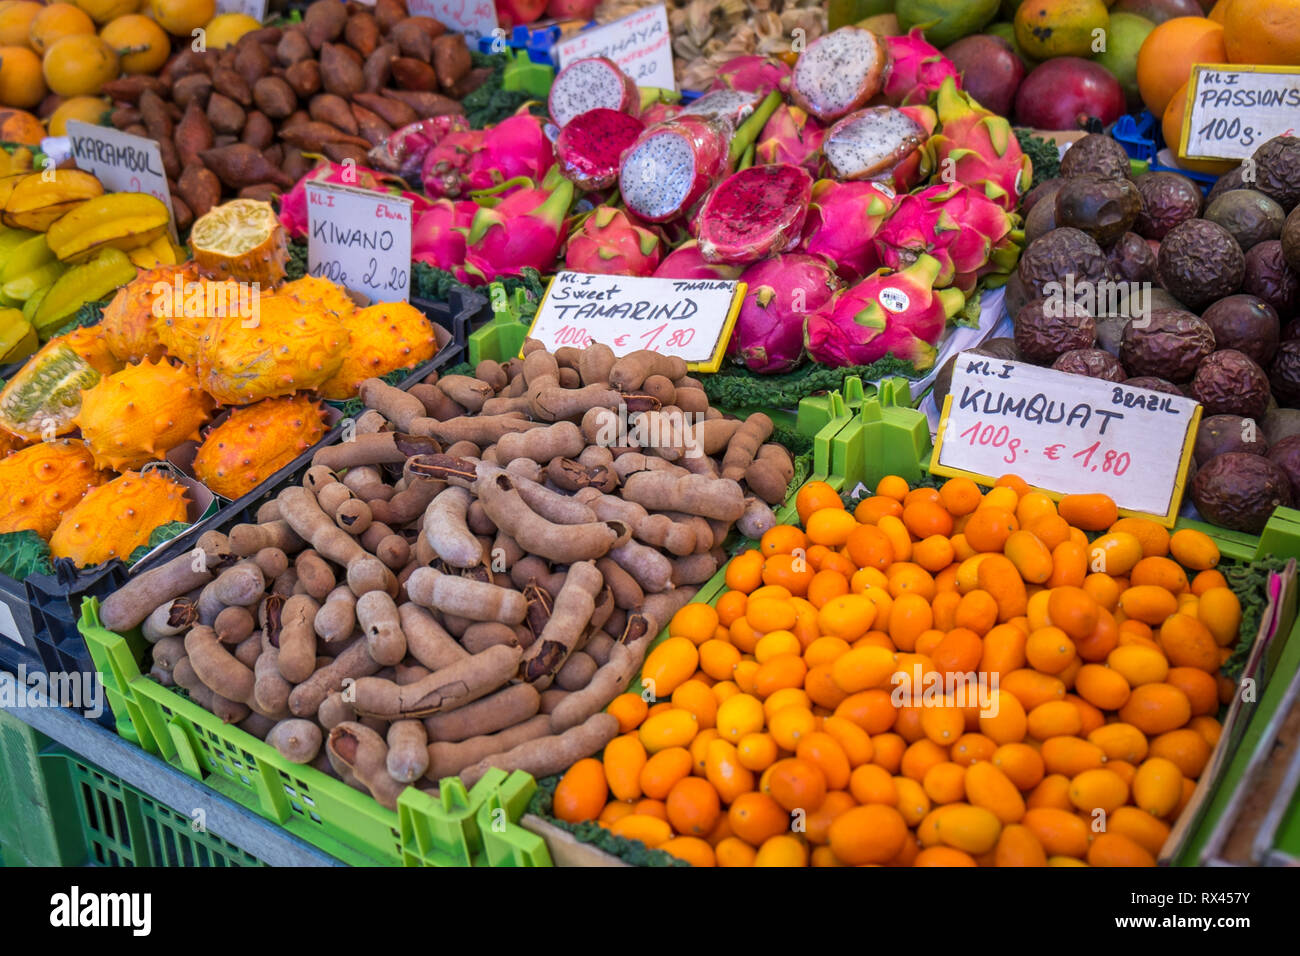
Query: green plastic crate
x=425, y=830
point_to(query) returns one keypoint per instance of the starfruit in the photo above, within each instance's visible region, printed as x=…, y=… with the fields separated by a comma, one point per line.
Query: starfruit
x=14, y=329
x=25, y=257
x=38, y=200
x=28, y=284
x=116, y=220
x=88, y=282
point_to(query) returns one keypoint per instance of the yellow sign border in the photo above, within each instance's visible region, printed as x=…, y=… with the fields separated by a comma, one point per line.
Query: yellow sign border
x=1192, y=84
x=712, y=364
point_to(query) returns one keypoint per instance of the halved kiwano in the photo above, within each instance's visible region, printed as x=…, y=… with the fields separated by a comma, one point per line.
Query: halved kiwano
x=45, y=396
x=240, y=240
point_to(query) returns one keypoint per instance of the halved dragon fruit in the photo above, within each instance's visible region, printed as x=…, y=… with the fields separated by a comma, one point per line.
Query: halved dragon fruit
x=754, y=73
x=791, y=136
x=870, y=143
x=517, y=146
x=443, y=172
x=888, y=313
x=404, y=151
x=917, y=69
x=754, y=213
x=659, y=112
x=842, y=219
x=608, y=243
x=671, y=165
x=590, y=146
x=438, y=236
x=839, y=72
x=731, y=107
x=782, y=292
x=685, y=262
x=587, y=84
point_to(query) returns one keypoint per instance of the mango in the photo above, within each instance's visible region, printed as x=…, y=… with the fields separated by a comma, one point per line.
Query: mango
x=1049, y=28
x=945, y=21
x=116, y=220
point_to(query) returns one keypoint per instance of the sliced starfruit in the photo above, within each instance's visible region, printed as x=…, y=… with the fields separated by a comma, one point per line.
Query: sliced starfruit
x=25, y=257
x=13, y=328
x=28, y=284
x=116, y=220
x=40, y=199
x=43, y=398
x=88, y=282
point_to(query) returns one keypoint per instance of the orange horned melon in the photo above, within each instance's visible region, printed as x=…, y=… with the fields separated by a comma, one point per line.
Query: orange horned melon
x=141, y=413
x=116, y=518
x=129, y=320
x=44, y=481
x=91, y=343
x=255, y=442
x=315, y=289
x=241, y=240
x=41, y=401
x=385, y=337
x=180, y=315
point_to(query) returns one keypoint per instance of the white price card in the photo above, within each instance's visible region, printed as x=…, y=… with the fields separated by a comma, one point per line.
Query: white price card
x=1067, y=434
x=689, y=318
x=253, y=8
x=122, y=162
x=474, y=18
x=360, y=240
x=1233, y=109
x=641, y=44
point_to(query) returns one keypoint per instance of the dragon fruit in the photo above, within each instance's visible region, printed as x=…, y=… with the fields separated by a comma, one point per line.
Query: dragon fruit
x=293, y=204
x=753, y=74
x=524, y=230
x=671, y=165
x=729, y=107
x=609, y=244
x=872, y=143
x=438, y=237
x=842, y=219
x=571, y=9
x=754, y=213
x=514, y=147
x=887, y=313
x=781, y=292
x=590, y=146
x=917, y=70
x=659, y=112
x=791, y=136
x=443, y=171
x=404, y=152
x=589, y=83
x=971, y=237
x=839, y=73
x=978, y=149
x=515, y=12
x=685, y=262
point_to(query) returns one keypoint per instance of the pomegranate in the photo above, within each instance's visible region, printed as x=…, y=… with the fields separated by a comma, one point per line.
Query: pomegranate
x=1064, y=93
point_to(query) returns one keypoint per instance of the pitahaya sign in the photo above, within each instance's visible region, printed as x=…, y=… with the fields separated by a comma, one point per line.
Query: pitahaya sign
x=691, y=319
x=360, y=239
x=1067, y=434
x=641, y=45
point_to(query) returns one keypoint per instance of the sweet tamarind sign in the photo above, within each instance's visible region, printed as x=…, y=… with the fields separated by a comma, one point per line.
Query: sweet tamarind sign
x=122, y=162
x=1067, y=434
x=691, y=319
x=360, y=240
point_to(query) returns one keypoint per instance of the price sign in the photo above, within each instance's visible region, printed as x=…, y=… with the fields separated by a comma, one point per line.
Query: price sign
x=1067, y=434
x=688, y=318
x=1233, y=109
x=253, y=8
x=360, y=239
x=474, y=18
x=122, y=162
x=641, y=44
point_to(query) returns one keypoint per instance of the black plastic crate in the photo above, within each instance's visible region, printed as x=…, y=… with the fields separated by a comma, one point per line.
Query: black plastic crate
x=460, y=316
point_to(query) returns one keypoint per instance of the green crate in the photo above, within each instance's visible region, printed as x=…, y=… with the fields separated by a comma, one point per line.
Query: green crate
x=425, y=830
x=500, y=338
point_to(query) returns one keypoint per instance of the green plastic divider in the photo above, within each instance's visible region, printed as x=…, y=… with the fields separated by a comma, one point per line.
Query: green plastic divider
x=500, y=339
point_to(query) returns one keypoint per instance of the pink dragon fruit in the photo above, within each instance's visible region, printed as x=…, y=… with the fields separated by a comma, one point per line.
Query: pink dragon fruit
x=781, y=293
x=443, y=172
x=839, y=73
x=671, y=165
x=571, y=9
x=438, y=236
x=524, y=230
x=514, y=147
x=887, y=313
x=729, y=107
x=872, y=143
x=791, y=136
x=659, y=111
x=514, y=12
x=842, y=219
x=752, y=73
x=293, y=204
x=918, y=69
x=590, y=146
x=609, y=244
x=589, y=83
x=978, y=149
x=685, y=262
x=971, y=237
x=917, y=167
x=754, y=213
x=404, y=151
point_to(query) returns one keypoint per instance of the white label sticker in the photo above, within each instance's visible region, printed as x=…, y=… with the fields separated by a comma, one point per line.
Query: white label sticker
x=1234, y=109
x=895, y=300
x=474, y=18
x=122, y=162
x=361, y=240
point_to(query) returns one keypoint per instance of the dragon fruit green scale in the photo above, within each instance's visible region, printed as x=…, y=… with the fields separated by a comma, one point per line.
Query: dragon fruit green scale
x=978, y=149
x=609, y=244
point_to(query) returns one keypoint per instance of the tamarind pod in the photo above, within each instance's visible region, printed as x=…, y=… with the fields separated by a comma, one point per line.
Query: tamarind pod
x=270, y=689
x=567, y=356
x=467, y=392
x=501, y=405
x=634, y=463
x=315, y=574
x=447, y=759
x=406, y=673
x=267, y=512
x=233, y=625
x=369, y=422
x=482, y=430
x=769, y=478
x=481, y=635
x=377, y=532
x=460, y=472
x=130, y=604
x=574, y=605
x=610, y=679
x=518, y=387
x=336, y=618
x=248, y=539
x=563, y=544
x=505, y=551
x=472, y=600
x=297, y=740
x=365, y=754
x=331, y=496
x=530, y=570
x=712, y=437
x=314, y=526
x=259, y=725
x=353, y=661
x=544, y=756
x=426, y=640
x=757, y=520
x=576, y=672
x=598, y=648
x=168, y=651
x=318, y=477
x=540, y=608
x=248, y=650
x=695, y=569
x=353, y=516
x=216, y=667
x=209, y=606
x=229, y=711
x=554, y=403
x=492, y=372
x=561, y=440
x=394, y=552
x=334, y=710
x=600, y=425
x=436, y=403
x=509, y=706
x=629, y=372
x=447, y=532
x=285, y=584
x=447, y=688
x=692, y=494
x=169, y=619
x=408, y=751
x=379, y=622
x=551, y=505
x=379, y=448
x=539, y=364
x=293, y=634
x=744, y=445
x=272, y=561
x=399, y=407
x=650, y=569
x=699, y=465
x=569, y=378
x=408, y=504
x=594, y=363
x=551, y=698
x=355, y=478
x=624, y=587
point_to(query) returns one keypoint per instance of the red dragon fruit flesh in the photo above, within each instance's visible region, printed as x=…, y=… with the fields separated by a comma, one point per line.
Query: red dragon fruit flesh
x=609, y=244
x=524, y=230
x=868, y=144
x=753, y=73
x=671, y=165
x=887, y=313
x=590, y=146
x=587, y=84
x=839, y=73
x=517, y=146
x=791, y=136
x=438, y=236
x=842, y=219
x=404, y=151
x=781, y=293
x=917, y=70
x=754, y=213
x=685, y=262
